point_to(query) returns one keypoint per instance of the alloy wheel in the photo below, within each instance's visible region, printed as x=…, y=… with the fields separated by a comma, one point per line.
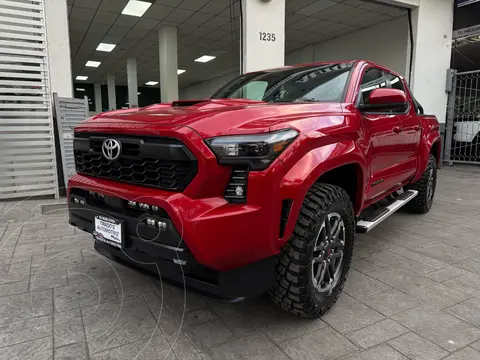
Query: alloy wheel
x=328, y=254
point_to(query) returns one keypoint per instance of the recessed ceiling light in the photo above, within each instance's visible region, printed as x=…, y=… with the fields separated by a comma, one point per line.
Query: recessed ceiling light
x=81, y=78
x=151, y=83
x=80, y=89
x=93, y=63
x=136, y=8
x=106, y=47
x=205, y=58
x=179, y=71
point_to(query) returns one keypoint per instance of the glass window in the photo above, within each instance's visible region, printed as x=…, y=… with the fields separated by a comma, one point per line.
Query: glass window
x=395, y=82
x=372, y=79
x=320, y=83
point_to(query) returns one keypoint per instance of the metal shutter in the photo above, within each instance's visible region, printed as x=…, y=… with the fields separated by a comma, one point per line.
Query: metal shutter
x=27, y=149
x=69, y=112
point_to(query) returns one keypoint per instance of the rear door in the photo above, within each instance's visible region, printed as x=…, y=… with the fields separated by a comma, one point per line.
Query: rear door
x=411, y=127
x=382, y=139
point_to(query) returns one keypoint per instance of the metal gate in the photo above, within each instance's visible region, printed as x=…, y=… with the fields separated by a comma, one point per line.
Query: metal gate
x=27, y=149
x=462, y=140
x=68, y=112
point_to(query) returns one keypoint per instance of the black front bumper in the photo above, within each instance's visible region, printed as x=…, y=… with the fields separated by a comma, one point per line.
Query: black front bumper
x=167, y=255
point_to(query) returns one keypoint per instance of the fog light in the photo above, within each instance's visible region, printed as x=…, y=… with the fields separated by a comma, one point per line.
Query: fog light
x=151, y=222
x=162, y=225
x=239, y=191
x=154, y=208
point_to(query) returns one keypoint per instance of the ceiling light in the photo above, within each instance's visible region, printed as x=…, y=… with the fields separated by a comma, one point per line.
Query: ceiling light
x=136, y=8
x=106, y=47
x=80, y=89
x=205, y=58
x=151, y=83
x=81, y=78
x=138, y=93
x=93, y=63
x=179, y=71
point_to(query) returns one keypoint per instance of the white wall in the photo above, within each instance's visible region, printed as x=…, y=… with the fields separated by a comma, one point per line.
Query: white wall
x=206, y=89
x=58, y=42
x=432, y=30
x=385, y=44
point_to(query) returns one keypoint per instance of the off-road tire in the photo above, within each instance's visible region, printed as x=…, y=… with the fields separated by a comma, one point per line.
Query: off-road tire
x=294, y=289
x=421, y=204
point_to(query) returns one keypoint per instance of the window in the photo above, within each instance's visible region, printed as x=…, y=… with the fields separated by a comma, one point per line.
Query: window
x=319, y=83
x=372, y=79
x=253, y=90
x=395, y=82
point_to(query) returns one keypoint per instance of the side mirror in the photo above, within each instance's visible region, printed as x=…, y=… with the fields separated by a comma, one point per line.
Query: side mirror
x=385, y=99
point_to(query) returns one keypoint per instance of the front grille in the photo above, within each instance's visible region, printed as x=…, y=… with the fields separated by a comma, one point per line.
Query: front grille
x=156, y=162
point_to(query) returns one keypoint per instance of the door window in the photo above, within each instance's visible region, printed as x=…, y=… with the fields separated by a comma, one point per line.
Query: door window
x=395, y=82
x=372, y=79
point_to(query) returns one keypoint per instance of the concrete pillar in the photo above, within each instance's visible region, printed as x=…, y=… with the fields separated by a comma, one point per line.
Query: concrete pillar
x=112, y=96
x=432, y=34
x=167, y=37
x=97, y=89
x=263, y=34
x=132, y=82
x=58, y=43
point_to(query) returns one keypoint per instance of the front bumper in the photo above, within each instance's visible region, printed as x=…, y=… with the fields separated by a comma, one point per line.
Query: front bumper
x=164, y=253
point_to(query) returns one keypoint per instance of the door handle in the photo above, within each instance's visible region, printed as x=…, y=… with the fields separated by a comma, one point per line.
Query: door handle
x=417, y=127
x=397, y=129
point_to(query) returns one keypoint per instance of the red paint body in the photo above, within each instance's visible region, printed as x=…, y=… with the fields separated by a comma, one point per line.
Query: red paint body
x=225, y=236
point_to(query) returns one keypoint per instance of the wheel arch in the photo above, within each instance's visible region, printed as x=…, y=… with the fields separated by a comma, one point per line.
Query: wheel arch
x=336, y=164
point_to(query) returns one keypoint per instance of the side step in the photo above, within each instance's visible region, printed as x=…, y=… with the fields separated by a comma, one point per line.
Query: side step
x=367, y=224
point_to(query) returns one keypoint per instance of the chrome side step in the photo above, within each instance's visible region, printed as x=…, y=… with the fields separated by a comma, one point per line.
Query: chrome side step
x=364, y=226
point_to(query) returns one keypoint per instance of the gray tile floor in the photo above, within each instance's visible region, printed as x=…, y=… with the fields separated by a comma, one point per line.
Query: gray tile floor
x=413, y=293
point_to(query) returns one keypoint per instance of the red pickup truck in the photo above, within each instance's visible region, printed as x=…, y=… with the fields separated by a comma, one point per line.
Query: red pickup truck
x=261, y=187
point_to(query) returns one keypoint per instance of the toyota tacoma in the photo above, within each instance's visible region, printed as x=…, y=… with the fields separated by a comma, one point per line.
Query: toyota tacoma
x=260, y=188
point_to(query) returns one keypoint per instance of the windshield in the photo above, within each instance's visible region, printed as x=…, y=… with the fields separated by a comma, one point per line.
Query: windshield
x=319, y=83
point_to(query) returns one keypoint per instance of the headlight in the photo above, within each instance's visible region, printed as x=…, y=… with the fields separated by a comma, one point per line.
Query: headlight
x=256, y=151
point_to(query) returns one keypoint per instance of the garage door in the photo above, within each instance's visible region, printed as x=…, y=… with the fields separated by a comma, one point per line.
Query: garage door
x=27, y=150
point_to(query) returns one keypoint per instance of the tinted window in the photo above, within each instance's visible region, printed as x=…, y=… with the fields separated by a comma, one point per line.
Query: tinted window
x=324, y=83
x=395, y=82
x=372, y=79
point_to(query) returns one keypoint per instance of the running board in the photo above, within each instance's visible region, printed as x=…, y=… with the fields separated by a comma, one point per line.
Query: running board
x=365, y=225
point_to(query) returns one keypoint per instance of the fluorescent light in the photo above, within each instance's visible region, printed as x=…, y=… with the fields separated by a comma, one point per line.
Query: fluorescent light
x=106, y=47
x=136, y=8
x=151, y=83
x=93, y=63
x=179, y=71
x=81, y=78
x=205, y=58
x=80, y=89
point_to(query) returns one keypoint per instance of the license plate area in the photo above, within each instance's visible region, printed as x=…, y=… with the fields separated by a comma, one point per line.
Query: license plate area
x=108, y=231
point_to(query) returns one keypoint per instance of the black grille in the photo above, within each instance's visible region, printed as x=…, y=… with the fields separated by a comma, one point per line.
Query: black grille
x=157, y=162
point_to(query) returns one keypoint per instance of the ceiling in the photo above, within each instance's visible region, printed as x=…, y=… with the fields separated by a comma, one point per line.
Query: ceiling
x=205, y=27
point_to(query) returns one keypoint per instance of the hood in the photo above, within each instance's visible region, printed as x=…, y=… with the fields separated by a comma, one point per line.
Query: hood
x=212, y=117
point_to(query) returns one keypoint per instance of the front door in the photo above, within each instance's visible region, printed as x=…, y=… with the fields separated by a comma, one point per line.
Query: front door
x=382, y=141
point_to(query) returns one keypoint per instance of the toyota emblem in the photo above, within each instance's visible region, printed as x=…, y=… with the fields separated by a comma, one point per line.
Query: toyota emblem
x=111, y=149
